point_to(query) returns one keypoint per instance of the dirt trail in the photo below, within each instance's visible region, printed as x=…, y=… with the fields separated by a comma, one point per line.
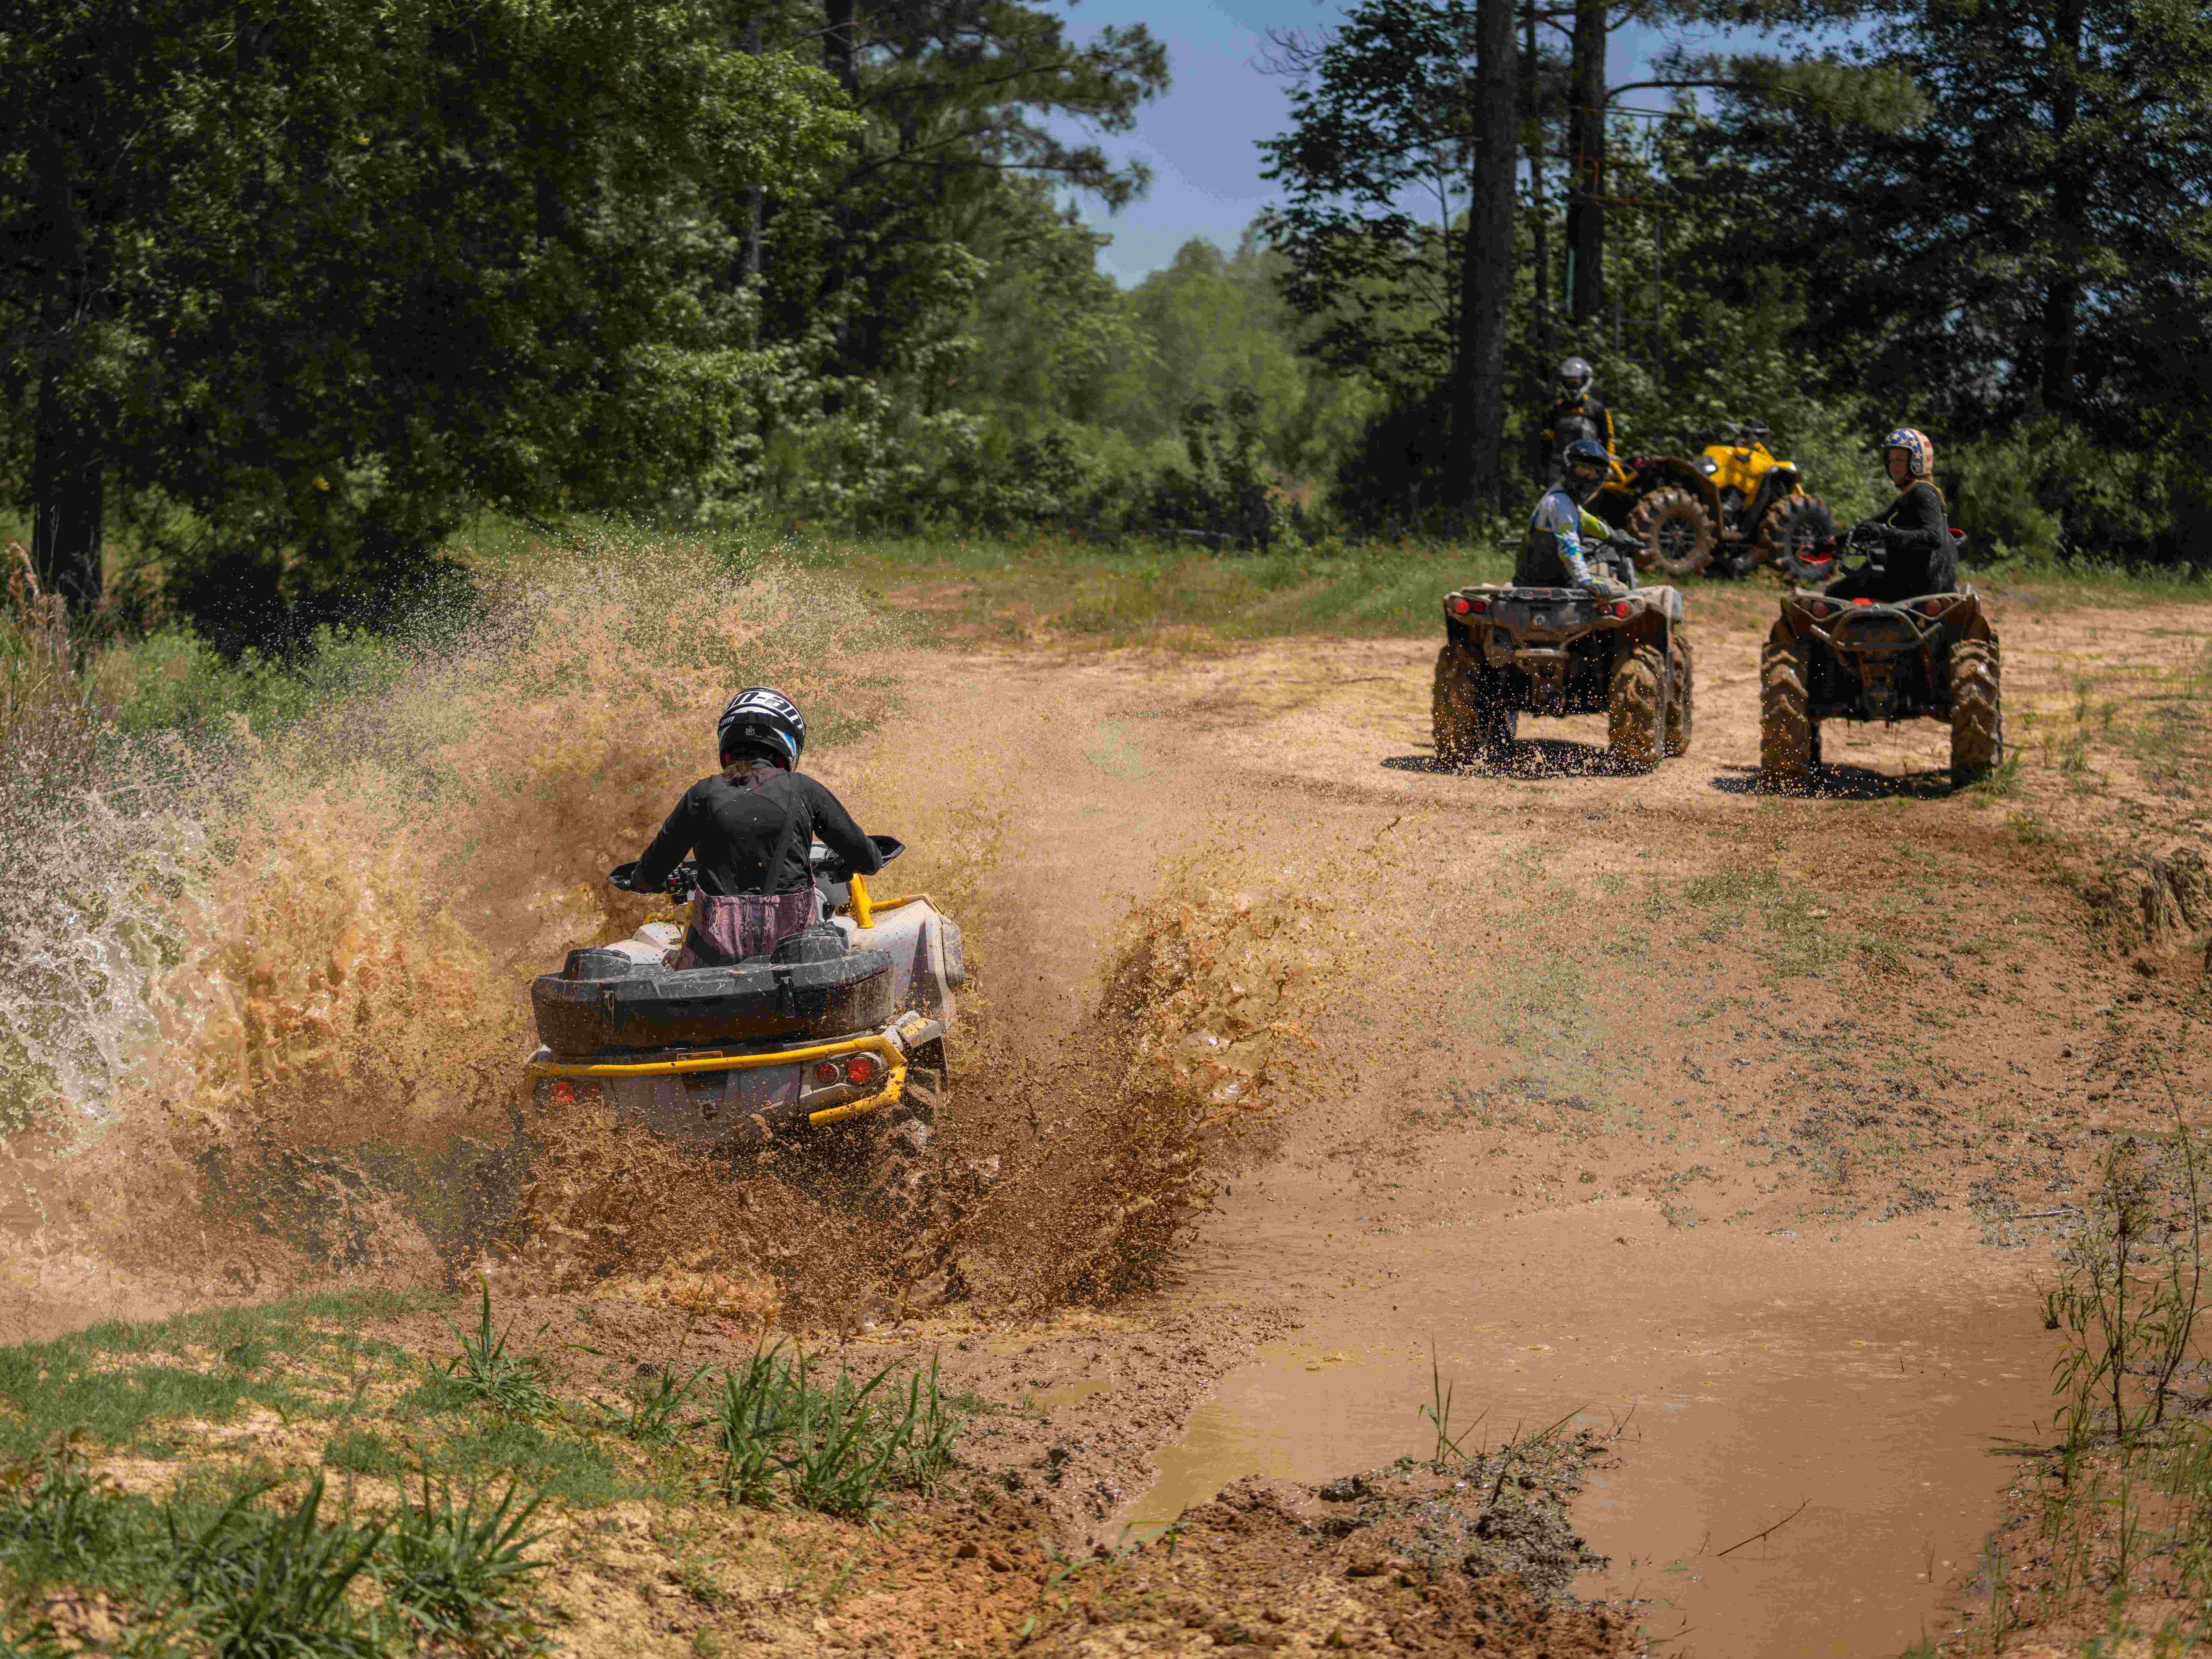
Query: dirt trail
x=1741, y=1126
x=1745, y=1120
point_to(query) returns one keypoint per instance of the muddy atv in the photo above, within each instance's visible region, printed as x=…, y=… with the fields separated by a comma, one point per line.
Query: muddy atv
x=1934, y=657
x=1731, y=507
x=841, y=1030
x=1510, y=651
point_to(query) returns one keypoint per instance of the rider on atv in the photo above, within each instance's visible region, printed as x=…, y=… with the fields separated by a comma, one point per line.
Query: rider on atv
x=1560, y=530
x=1913, y=532
x=1576, y=414
x=751, y=826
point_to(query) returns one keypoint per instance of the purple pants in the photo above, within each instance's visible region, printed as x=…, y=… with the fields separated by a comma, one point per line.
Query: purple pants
x=727, y=930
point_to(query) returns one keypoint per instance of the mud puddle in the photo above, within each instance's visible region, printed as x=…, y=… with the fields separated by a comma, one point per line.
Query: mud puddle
x=1858, y=1386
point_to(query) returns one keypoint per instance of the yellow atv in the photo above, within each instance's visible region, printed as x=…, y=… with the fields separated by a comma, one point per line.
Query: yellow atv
x=1737, y=500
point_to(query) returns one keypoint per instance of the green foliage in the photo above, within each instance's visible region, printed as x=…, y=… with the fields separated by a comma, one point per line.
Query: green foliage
x=450, y=1573
x=324, y=280
x=785, y=1436
x=485, y=1370
x=2057, y=346
x=259, y=1586
x=648, y=1415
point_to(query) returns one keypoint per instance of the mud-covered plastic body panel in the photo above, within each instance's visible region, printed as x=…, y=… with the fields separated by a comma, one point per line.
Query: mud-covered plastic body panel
x=738, y=1056
x=629, y=1007
x=1870, y=661
x=1552, y=650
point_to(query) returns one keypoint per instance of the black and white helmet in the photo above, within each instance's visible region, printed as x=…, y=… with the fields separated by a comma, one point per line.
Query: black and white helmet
x=1576, y=379
x=763, y=716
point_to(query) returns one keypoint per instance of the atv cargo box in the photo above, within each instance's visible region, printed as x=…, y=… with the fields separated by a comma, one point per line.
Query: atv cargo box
x=605, y=1000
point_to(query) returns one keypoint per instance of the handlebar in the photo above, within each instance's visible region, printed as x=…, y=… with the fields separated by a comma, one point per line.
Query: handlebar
x=684, y=879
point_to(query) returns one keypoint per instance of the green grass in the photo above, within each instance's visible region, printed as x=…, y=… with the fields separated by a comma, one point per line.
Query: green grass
x=122, y=1384
x=787, y=1434
x=991, y=589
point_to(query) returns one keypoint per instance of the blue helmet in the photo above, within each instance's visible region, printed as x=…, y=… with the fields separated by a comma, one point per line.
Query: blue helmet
x=763, y=717
x=1588, y=452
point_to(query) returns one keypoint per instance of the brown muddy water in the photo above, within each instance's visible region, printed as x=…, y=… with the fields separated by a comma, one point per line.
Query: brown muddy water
x=1862, y=1388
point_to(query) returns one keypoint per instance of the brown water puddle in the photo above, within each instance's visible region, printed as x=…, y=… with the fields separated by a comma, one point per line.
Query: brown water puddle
x=1866, y=1379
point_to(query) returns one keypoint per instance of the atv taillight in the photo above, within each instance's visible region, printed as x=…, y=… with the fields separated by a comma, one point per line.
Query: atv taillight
x=827, y=1075
x=1462, y=606
x=1620, y=607
x=1481, y=606
x=571, y=1091
x=1820, y=607
x=864, y=1069
x=1862, y=601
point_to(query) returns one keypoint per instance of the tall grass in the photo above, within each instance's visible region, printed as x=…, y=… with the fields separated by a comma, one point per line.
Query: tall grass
x=788, y=1435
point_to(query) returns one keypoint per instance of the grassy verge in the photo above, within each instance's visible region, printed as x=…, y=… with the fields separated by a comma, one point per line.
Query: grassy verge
x=280, y=1481
x=991, y=592
x=2107, y=1545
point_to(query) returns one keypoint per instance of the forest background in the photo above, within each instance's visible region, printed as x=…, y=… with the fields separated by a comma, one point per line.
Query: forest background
x=293, y=293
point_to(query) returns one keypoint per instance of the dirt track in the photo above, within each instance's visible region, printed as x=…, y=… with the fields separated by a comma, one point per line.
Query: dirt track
x=1742, y=1122
x=1738, y=1128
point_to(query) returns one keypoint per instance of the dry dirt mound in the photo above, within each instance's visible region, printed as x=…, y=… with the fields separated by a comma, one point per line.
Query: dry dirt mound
x=2155, y=903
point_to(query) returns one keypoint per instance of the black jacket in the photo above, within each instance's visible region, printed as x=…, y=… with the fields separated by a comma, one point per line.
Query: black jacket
x=1573, y=415
x=1919, y=555
x=752, y=835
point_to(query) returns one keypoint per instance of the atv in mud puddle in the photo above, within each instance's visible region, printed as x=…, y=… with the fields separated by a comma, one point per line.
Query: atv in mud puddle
x=1932, y=656
x=839, y=1032
x=1514, y=650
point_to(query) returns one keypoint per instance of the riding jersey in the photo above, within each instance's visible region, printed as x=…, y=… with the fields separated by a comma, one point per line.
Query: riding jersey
x=752, y=827
x=1552, y=555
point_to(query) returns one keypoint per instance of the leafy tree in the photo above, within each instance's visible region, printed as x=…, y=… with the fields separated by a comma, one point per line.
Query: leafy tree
x=325, y=276
x=2033, y=249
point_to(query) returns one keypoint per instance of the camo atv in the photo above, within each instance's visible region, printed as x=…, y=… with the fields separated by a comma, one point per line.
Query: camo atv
x=1510, y=651
x=1934, y=657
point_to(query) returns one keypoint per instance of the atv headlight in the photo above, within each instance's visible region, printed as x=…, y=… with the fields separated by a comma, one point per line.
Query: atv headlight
x=1708, y=465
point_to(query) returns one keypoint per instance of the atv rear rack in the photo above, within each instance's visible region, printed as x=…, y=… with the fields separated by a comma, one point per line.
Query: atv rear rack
x=893, y=1046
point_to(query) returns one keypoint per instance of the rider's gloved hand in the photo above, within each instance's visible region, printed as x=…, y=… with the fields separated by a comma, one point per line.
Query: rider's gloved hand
x=1605, y=587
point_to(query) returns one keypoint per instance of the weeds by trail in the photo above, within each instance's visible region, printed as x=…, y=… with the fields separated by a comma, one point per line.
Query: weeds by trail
x=414, y=1532
x=2120, y=1529
x=785, y=1436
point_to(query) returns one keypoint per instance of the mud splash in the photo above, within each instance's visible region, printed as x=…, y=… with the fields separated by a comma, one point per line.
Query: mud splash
x=302, y=1002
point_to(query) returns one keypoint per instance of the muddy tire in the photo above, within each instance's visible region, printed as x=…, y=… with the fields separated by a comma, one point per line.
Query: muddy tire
x=1680, y=708
x=1467, y=710
x=1791, y=534
x=1677, y=533
x=1633, y=717
x=1977, y=711
x=1785, y=721
x=1451, y=709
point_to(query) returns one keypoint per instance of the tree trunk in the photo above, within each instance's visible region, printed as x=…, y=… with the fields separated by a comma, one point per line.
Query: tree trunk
x=1486, y=263
x=66, y=469
x=1531, y=113
x=841, y=44
x=1586, y=175
x=2062, y=295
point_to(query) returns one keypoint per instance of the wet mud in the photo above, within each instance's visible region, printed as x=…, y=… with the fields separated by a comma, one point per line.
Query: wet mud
x=1303, y=1079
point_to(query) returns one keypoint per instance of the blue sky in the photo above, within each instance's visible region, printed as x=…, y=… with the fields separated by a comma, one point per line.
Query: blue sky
x=1201, y=138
